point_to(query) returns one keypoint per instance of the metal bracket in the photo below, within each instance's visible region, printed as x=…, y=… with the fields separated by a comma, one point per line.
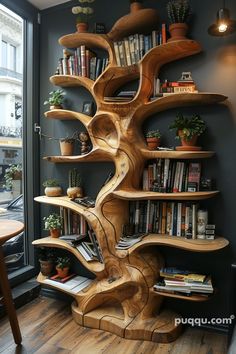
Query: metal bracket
x=37, y=129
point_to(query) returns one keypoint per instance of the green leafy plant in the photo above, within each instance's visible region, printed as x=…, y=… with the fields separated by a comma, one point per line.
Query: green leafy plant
x=63, y=262
x=83, y=12
x=52, y=221
x=74, y=178
x=153, y=134
x=178, y=11
x=55, y=98
x=189, y=126
x=51, y=182
x=11, y=173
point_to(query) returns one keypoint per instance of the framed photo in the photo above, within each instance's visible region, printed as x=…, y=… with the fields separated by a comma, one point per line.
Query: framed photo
x=88, y=108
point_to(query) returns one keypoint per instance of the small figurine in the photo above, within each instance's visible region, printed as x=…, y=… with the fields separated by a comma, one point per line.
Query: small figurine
x=85, y=142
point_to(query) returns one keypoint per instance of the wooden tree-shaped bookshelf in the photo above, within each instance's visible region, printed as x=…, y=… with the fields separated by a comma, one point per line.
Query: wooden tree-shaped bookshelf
x=121, y=299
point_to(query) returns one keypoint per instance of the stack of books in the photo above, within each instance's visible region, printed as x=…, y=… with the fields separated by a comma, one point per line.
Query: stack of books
x=73, y=223
x=177, y=281
x=123, y=96
x=73, y=284
x=127, y=241
x=90, y=250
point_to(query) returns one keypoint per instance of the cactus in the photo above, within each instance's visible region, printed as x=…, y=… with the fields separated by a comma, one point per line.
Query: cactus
x=74, y=178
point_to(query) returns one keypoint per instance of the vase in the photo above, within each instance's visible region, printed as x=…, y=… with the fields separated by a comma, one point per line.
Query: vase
x=82, y=27
x=74, y=192
x=178, y=31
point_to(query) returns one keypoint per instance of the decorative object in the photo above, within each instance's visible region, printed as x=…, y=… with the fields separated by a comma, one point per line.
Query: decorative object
x=88, y=108
x=139, y=20
x=67, y=144
x=223, y=25
x=53, y=223
x=46, y=256
x=83, y=13
x=202, y=221
x=178, y=14
x=188, y=130
x=52, y=188
x=63, y=266
x=75, y=189
x=85, y=143
x=55, y=99
x=153, y=139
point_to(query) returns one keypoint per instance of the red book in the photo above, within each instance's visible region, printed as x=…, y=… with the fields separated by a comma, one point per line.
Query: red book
x=62, y=280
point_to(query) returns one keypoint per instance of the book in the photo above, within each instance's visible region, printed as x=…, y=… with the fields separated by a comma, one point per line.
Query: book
x=194, y=176
x=62, y=280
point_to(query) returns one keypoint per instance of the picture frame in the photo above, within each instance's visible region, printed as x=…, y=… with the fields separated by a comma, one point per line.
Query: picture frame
x=88, y=108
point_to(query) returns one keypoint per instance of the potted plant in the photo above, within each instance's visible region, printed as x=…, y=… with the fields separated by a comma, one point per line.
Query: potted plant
x=55, y=99
x=53, y=223
x=83, y=13
x=67, y=144
x=74, y=190
x=153, y=139
x=46, y=256
x=178, y=14
x=188, y=130
x=63, y=266
x=13, y=179
x=52, y=188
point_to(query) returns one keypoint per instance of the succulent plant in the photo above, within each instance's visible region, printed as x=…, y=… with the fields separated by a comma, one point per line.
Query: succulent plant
x=74, y=178
x=178, y=11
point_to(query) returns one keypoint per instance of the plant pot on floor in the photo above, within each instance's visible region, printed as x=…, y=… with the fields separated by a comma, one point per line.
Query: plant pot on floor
x=178, y=31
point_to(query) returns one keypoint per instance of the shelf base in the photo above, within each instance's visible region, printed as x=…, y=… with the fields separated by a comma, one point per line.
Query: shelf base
x=110, y=318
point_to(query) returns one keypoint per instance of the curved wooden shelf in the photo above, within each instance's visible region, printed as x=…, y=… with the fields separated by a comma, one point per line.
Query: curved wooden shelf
x=93, y=266
x=183, y=155
x=196, y=298
x=145, y=195
x=178, y=242
x=71, y=81
x=92, y=156
x=64, y=114
x=64, y=202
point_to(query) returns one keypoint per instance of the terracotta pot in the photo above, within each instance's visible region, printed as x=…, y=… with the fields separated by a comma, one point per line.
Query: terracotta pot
x=184, y=142
x=153, y=143
x=178, y=31
x=46, y=267
x=55, y=233
x=53, y=191
x=67, y=147
x=75, y=192
x=135, y=6
x=62, y=272
x=82, y=27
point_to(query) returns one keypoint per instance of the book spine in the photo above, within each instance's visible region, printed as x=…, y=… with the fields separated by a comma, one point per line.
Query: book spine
x=163, y=32
x=127, y=51
x=117, y=53
x=83, y=61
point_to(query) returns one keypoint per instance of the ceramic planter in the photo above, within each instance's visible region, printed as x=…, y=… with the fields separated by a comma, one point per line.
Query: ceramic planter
x=74, y=192
x=53, y=191
x=46, y=267
x=82, y=27
x=55, y=233
x=62, y=272
x=55, y=106
x=178, y=31
x=67, y=147
x=153, y=143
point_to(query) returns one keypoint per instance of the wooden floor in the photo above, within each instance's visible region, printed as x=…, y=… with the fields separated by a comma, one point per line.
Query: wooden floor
x=47, y=327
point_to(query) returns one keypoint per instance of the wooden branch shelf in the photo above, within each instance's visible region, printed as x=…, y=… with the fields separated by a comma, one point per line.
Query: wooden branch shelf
x=196, y=298
x=63, y=114
x=71, y=81
x=92, y=156
x=93, y=266
x=64, y=202
x=182, y=155
x=178, y=242
x=146, y=195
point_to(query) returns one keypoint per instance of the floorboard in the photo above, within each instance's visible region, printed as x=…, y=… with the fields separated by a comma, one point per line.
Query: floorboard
x=47, y=327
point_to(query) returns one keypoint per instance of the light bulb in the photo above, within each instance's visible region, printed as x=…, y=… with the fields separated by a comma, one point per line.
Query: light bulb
x=222, y=27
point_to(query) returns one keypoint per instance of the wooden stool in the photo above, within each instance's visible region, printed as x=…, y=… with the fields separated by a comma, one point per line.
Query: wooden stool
x=8, y=229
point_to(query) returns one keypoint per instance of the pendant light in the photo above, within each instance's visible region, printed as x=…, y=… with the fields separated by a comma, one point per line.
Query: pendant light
x=224, y=25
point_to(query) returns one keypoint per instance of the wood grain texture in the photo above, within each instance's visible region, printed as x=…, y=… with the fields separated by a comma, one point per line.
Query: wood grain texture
x=120, y=299
x=183, y=155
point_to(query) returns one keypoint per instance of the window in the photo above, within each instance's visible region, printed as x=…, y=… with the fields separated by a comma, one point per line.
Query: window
x=8, y=56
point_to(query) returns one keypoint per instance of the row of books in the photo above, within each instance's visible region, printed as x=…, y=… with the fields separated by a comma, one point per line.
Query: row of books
x=81, y=62
x=73, y=284
x=133, y=48
x=167, y=176
x=165, y=218
x=73, y=223
x=183, y=282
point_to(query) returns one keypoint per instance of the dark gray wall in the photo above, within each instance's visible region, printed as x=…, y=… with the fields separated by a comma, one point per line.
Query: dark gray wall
x=214, y=70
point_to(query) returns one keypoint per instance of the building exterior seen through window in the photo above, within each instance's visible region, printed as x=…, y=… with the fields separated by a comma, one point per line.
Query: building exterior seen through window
x=11, y=121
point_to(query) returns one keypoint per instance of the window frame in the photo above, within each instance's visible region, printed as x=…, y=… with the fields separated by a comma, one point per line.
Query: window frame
x=30, y=140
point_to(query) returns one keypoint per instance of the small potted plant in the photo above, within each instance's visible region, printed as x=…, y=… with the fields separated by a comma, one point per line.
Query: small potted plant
x=83, y=13
x=188, y=130
x=63, y=266
x=55, y=99
x=67, y=144
x=153, y=139
x=74, y=190
x=13, y=172
x=178, y=13
x=52, y=188
x=46, y=256
x=53, y=223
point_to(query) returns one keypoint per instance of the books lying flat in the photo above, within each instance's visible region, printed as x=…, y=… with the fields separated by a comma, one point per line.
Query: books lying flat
x=73, y=285
x=128, y=241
